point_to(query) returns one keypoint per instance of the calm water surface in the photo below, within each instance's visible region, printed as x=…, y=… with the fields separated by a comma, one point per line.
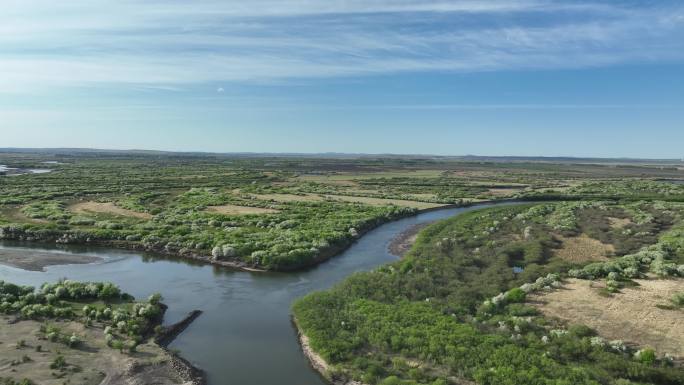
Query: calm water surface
x=245, y=336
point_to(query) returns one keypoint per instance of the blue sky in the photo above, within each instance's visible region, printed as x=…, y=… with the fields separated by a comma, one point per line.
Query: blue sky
x=515, y=77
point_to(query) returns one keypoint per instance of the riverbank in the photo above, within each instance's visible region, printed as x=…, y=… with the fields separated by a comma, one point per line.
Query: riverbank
x=317, y=362
x=323, y=254
x=247, y=324
x=12, y=232
x=400, y=245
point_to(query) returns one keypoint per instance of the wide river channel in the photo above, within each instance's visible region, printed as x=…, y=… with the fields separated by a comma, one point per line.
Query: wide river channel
x=245, y=336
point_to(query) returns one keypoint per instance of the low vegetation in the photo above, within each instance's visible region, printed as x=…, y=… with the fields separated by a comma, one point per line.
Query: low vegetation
x=458, y=308
x=81, y=332
x=277, y=213
x=124, y=321
x=455, y=308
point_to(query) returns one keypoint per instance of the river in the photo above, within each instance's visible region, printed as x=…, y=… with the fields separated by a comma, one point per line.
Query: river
x=245, y=335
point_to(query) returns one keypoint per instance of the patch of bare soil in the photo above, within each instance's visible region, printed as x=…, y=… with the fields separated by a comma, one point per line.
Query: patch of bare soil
x=361, y=191
x=583, y=248
x=239, y=210
x=38, y=261
x=402, y=243
x=618, y=223
x=382, y=201
x=504, y=192
x=106, y=208
x=92, y=363
x=289, y=197
x=631, y=315
x=15, y=214
x=426, y=196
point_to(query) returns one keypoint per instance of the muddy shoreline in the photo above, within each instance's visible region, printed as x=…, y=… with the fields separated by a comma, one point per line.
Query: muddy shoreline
x=403, y=242
x=38, y=261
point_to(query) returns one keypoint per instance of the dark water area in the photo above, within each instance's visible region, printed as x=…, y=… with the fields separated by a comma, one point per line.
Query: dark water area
x=245, y=335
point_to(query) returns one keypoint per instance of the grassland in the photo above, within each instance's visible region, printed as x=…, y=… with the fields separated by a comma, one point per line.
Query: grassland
x=641, y=314
x=478, y=299
x=273, y=213
x=89, y=208
x=489, y=298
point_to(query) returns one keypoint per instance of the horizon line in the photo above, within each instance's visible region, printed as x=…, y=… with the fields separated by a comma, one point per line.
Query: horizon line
x=328, y=153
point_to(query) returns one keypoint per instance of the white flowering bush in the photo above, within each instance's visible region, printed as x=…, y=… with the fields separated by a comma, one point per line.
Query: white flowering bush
x=518, y=294
x=558, y=332
x=618, y=346
x=656, y=258
x=597, y=341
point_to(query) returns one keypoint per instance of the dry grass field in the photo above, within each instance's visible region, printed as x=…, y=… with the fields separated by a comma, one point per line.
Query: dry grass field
x=504, y=192
x=106, y=208
x=350, y=198
x=631, y=315
x=352, y=176
x=618, y=223
x=288, y=197
x=583, y=248
x=239, y=210
x=382, y=202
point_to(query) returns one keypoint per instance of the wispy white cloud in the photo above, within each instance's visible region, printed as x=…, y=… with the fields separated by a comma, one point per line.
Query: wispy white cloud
x=171, y=44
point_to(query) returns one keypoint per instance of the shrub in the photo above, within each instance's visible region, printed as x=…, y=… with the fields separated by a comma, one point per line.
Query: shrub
x=59, y=363
x=581, y=331
x=74, y=341
x=678, y=299
x=391, y=380
x=516, y=295
x=646, y=356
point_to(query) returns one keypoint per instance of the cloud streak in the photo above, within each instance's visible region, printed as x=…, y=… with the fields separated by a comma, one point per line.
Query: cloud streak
x=46, y=44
